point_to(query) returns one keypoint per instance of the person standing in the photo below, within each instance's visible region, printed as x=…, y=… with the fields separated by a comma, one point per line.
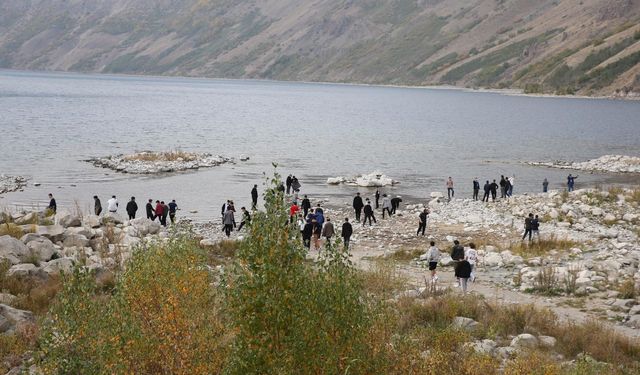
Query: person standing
x=377, y=198
x=571, y=180
x=508, y=187
x=317, y=232
x=173, y=207
x=471, y=255
x=476, y=188
x=228, y=220
x=503, y=187
x=450, y=191
x=545, y=186
x=295, y=184
x=293, y=212
x=254, y=197
x=512, y=183
x=132, y=208
x=457, y=254
x=422, y=222
x=535, y=227
x=319, y=215
x=165, y=213
x=487, y=191
x=463, y=273
x=368, y=214
x=433, y=257
x=112, y=204
x=158, y=212
x=395, y=204
x=494, y=190
x=288, y=182
x=53, y=206
x=386, y=205
x=357, y=206
x=307, y=233
x=246, y=218
x=306, y=205
x=97, y=206
x=527, y=227
x=328, y=230
x=347, y=231
x=149, y=208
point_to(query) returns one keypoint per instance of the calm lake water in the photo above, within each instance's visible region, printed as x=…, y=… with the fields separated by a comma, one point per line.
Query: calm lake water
x=50, y=122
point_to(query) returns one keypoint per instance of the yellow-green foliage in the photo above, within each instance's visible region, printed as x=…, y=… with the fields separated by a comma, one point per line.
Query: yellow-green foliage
x=10, y=229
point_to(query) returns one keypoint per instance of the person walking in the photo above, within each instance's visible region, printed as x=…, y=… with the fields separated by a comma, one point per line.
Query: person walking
x=306, y=206
x=254, y=198
x=503, y=187
x=246, y=218
x=288, y=182
x=368, y=214
x=53, y=206
x=173, y=207
x=165, y=213
x=508, y=187
x=450, y=191
x=494, y=190
x=487, y=191
x=347, y=231
x=422, y=222
x=476, y=188
x=307, y=234
x=158, y=212
x=471, y=255
x=395, y=204
x=293, y=212
x=386, y=205
x=512, y=183
x=571, y=180
x=377, y=198
x=228, y=220
x=132, y=208
x=457, y=254
x=545, y=186
x=317, y=233
x=535, y=227
x=112, y=204
x=149, y=208
x=328, y=230
x=357, y=206
x=527, y=227
x=97, y=206
x=463, y=273
x=433, y=257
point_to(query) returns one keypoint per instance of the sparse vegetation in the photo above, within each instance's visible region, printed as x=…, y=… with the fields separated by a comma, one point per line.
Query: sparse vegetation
x=163, y=156
x=541, y=246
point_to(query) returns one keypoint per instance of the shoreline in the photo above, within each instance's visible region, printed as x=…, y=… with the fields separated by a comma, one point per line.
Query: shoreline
x=506, y=92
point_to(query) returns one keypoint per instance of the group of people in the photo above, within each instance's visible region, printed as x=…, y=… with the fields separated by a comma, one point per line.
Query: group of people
x=464, y=262
x=491, y=188
x=160, y=211
x=389, y=205
x=228, y=214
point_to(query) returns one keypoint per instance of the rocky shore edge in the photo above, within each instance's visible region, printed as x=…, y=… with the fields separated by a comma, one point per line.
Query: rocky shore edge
x=11, y=183
x=150, y=162
x=606, y=163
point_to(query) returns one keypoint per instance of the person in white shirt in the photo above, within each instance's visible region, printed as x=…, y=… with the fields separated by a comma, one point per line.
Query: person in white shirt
x=433, y=257
x=471, y=255
x=112, y=204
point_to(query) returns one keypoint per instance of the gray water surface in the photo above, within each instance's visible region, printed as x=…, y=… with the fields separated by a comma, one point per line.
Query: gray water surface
x=50, y=122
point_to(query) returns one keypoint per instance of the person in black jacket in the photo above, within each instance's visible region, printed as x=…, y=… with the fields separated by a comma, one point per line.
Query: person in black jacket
x=368, y=214
x=528, y=226
x=503, y=187
x=476, y=188
x=487, y=191
x=97, y=206
x=422, y=223
x=377, y=198
x=307, y=233
x=132, y=208
x=347, y=231
x=306, y=206
x=288, y=182
x=395, y=204
x=149, y=208
x=457, y=254
x=358, y=205
x=53, y=207
x=254, y=197
x=246, y=218
x=463, y=273
x=494, y=190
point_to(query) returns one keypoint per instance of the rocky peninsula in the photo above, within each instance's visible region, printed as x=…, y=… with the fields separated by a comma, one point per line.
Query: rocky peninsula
x=149, y=162
x=11, y=183
x=606, y=163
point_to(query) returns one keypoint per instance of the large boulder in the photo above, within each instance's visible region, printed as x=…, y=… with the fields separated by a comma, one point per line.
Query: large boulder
x=464, y=323
x=144, y=226
x=30, y=218
x=23, y=270
x=11, y=319
x=76, y=240
x=525, y=341
x=112, y=218
x=42, y=248
x=83, y=231
x=92, y=221
x=69, y=220
x=54, y=233
x=54, y=267
x=13, y=250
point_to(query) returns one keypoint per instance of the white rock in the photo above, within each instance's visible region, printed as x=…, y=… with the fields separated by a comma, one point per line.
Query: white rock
x=464, y=323
x=524, y=341
x=23, y=270
x=13, y=250
x=547, y=341
x=54, y=267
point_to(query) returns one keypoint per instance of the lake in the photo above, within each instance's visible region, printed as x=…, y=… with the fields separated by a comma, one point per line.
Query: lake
x=51, y=122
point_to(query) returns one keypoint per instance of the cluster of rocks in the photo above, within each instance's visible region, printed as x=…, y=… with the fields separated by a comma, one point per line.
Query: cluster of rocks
x=158, y=162
x=606, y=163
x=11, y=183
x=374, y=179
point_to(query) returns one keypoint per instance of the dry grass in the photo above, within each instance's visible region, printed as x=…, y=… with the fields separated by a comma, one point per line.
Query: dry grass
x=405, y=254
x=13, y=347
x=541, y=246
x=10, y=229
x=221, y=252
x=627, y=289
x=163, y=156
x=33, y=294
x=383, y=280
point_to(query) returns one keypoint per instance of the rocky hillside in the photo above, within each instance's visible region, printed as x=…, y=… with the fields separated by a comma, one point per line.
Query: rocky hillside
x=559, y=46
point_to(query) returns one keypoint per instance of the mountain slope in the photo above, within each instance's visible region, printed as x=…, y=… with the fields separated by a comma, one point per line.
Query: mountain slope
x=562, y=46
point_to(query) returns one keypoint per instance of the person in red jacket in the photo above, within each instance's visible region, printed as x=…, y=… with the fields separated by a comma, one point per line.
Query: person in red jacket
x=293, y=212
x=159, y=212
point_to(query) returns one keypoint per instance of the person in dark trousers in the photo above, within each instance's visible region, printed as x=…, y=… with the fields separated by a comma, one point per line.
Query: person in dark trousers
x=228, y=220
x=328, y=230
x=422, y=222
x=368, y=214
x=507, y=187
x=295, y=184
x=254, y=197
x=97, y=206
x=158, y=212
x=457, y=254
x=246, y=218
x=306, y=206
x=545, y=186
x=173, y=207
x=132, y=208
x=224, y=208
x=347, y=231
x=377, y=198
x=476, y=189
x=571, y=180
x=463, y=273
x=395, y=204
x=450, y=191
x=357, y=206
x=535, y=227
x=386, y=205
x=53, y=206
x=288, y=182
x=503, y=187
x=165, y=213
x=528, y=226
x=487, y=191
x=307, y=233
x=149, y=208
x=494, y=190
